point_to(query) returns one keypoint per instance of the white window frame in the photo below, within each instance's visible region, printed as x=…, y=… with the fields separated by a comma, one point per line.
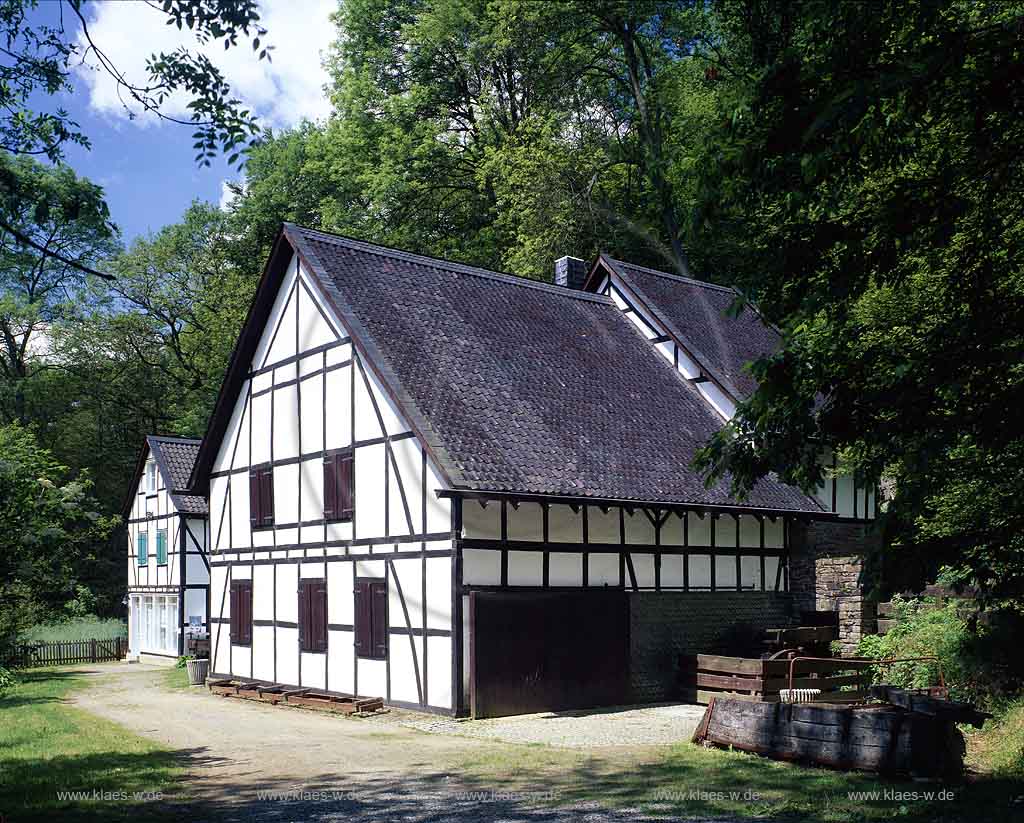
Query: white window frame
x=151, y=477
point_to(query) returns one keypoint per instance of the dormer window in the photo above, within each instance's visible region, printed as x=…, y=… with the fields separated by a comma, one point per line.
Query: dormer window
x=151, y=477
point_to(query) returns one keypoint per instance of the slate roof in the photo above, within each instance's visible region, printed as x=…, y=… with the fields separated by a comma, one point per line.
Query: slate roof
x=175, y=456
x=695, y=313
x=518, y=386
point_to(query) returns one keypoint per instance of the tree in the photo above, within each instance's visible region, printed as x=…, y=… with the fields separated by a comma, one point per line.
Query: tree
x=64, y=217
x=869, y=181
x=502, y=133
x=38, y=61
x=49, y=528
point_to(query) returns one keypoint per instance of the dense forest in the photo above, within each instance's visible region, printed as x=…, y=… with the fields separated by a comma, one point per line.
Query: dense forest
x=857, y=175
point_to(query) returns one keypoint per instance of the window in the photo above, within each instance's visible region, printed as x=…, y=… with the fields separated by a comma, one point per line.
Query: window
x=142, y=544
x=241, y=612
x=261, y=496
x=161, y=547
x=313, y=615
x=371, y=618
x=339, y=476
x=151, y=477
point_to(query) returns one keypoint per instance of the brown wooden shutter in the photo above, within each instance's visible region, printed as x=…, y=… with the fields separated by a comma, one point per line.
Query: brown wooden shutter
x=233, y=630
x=255, y=515
x=330, y=487
x=245, y=598
x=318, y=615
x=364, y=619
x=380, y=618
x=345, y=484
x=303, y=615
x=267, y=496
x=241, y=612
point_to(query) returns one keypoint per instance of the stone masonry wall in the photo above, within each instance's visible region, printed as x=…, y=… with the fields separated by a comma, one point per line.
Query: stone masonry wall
x=664, y=625
x=825, y=575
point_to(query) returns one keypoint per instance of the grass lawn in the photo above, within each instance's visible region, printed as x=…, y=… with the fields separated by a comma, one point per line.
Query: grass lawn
x=82, y=628
x=693, y=782
x=175, y=678
x=48, y=746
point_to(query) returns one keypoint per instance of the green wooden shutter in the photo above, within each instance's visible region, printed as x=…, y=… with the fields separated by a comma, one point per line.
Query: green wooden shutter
x=161, y=547
x=143, y=546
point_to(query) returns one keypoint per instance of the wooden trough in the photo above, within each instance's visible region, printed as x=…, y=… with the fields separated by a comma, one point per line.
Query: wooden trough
x=307, y=698
x=911, y=733
x=707, y=676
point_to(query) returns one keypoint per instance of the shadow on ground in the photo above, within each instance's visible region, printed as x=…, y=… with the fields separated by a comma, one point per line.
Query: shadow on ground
x=591, y=791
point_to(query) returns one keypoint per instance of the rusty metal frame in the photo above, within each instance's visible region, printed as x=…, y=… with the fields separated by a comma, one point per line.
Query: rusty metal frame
x=866, y=663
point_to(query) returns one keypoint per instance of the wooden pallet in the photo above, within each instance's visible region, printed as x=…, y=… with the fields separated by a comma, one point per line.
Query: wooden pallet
x=306, y=698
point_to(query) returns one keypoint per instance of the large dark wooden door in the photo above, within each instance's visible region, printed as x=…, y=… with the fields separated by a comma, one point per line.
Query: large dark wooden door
x=547, y=651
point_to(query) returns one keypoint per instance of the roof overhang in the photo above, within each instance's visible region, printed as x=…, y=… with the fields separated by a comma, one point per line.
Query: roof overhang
x=579, y=500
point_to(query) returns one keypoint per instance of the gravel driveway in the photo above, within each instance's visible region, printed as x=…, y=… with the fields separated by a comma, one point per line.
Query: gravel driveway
x=614, y=726
x=248, y=761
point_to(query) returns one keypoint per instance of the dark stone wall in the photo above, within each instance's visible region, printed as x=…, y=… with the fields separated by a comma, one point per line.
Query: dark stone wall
x=664, y=625
x=825, y=574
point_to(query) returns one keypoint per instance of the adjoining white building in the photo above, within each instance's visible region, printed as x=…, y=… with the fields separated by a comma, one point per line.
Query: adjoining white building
x=168, y=570
x=463, y=491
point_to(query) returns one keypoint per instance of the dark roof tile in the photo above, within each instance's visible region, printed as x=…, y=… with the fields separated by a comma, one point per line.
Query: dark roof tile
x=175, y=456
x=695, y=312
x=521, y=386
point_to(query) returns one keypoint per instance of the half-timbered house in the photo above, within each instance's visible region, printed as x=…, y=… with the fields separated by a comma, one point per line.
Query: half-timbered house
x=168, y=572
x=461, y=490
x=690, y=323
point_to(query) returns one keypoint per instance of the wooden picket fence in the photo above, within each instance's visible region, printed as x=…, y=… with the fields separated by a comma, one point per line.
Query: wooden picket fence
x=68, y=651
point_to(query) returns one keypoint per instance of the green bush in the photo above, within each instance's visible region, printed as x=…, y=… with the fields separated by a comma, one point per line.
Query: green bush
x=79, y=628
x=7, y=680
x=977, y=659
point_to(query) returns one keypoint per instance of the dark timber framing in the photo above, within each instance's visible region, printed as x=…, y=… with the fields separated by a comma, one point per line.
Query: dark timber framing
x=171, y=577
x=310, y=540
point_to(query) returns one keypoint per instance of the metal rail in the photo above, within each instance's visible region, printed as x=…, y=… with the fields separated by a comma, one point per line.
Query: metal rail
x=864, y=662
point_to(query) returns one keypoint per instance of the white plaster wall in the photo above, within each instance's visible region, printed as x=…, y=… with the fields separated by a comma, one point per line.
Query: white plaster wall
x=565, y=525
x=602, y=569
x=481, y=522
x=525, y=568
x=482, y=567
x=700, y=571
x=639, y=528
x=565, y=569
x=526, y=522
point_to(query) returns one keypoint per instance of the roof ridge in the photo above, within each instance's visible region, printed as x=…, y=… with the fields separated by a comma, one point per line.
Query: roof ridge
x=678, y=277
x=170, y=438
x=451, y=265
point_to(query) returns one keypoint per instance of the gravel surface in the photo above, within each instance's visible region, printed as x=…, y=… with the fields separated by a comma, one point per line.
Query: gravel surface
x=247, y=761
x=614, y=726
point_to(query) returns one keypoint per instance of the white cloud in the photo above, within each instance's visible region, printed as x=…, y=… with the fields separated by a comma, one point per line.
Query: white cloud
x=281, y=92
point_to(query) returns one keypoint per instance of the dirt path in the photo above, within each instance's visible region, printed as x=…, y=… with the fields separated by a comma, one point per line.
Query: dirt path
x=327, y=767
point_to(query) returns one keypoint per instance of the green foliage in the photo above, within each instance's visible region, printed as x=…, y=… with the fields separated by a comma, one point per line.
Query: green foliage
x=7, y=680
x=873, y=212
x=87, y=627
x=976, y=658
x=40, y=61
x=60, y=213
x=49, y=531
x=504, y=133
x=999, y=748
x=158, y=339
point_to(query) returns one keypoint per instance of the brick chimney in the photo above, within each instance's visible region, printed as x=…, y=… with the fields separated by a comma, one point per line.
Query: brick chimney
x=570, y=272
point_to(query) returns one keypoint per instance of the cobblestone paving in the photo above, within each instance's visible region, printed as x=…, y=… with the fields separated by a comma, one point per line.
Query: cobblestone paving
x=616, y=726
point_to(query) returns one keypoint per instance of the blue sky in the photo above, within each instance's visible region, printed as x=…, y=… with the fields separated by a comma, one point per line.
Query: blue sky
x=147, y=167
